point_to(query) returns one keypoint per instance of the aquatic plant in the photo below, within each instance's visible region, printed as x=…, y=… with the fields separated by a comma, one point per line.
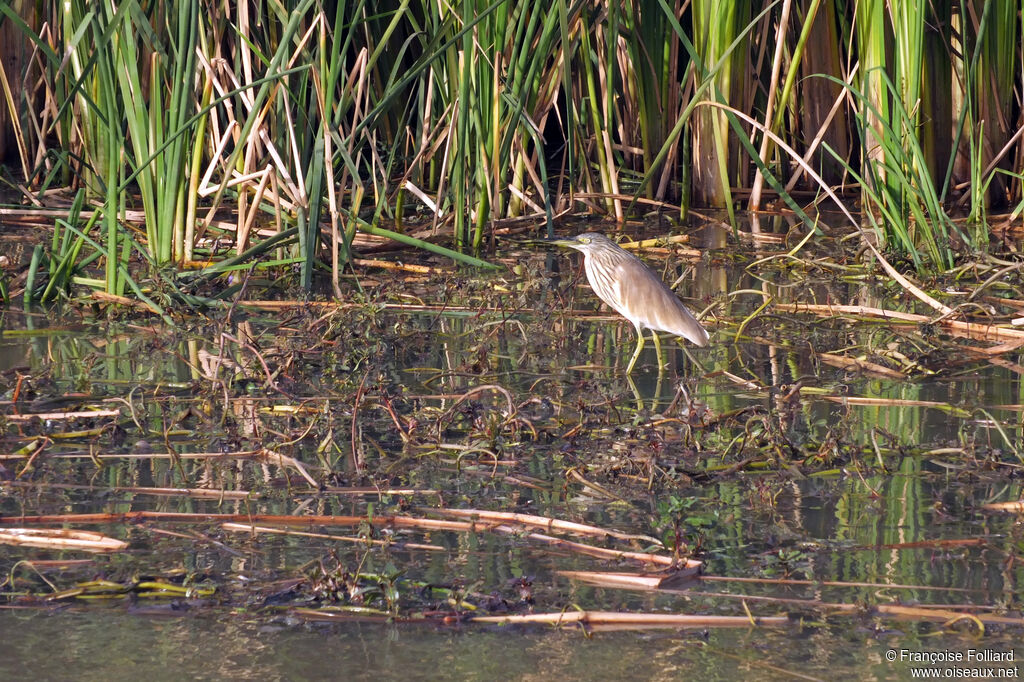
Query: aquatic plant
x=368, y=120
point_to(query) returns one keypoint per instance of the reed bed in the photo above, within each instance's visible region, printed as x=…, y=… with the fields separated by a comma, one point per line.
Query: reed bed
x=199, y=139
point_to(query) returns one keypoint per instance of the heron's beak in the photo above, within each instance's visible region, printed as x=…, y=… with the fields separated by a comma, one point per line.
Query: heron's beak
x=569, y=243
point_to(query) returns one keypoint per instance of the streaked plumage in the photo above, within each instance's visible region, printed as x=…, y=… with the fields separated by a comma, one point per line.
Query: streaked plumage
x=633, y=290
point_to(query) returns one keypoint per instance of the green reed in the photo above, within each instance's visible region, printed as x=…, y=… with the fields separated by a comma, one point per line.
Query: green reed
x=216, y=127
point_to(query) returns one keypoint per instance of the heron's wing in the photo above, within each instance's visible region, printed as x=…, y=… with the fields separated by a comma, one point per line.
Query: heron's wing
x=643, y=298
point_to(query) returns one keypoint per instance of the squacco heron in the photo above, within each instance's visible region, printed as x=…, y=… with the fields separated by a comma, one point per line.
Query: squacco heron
x=621, y=280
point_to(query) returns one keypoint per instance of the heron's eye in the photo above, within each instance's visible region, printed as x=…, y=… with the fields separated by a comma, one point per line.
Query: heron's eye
x=584, y=240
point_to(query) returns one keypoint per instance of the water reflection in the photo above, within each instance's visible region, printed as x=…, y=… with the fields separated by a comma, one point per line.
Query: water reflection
x=99, y=646
x=854, y=468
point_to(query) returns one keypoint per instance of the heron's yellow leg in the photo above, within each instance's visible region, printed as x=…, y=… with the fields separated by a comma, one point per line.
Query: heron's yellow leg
x=636, y=353
x=657, y=348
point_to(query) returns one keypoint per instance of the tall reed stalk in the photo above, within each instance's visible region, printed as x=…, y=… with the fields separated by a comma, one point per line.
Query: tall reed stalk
x=715, y=26
x=285, y=131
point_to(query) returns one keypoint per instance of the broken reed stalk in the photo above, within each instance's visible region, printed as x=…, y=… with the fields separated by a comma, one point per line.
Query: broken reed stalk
x=659, y=620
x=973, y=330
x=63, y=416
x=669, y=581
x=591, y=621
x=351, y=521
x=60, y=539
x=598, y=552
x=284, y=520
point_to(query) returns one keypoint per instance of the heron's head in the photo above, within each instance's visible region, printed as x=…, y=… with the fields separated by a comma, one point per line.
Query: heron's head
x=588, y=242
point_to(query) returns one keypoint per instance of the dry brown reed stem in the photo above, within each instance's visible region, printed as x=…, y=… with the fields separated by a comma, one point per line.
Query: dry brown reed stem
x=769, y=113
x=360, y=614
x=405, y=267
x=1005, y=507
x=63, y=416
x=598, y=552
x=1008, y=302
x=61, y=539
x=887, y=402
x=662, y=620
x=544, y=522
x=973, y=330
x=831, y=583
x=662, y=581
x=393, y=521
x=276, y=519
x=644, y=582
x=248, y=454
x=250, y=528
x=30, y=215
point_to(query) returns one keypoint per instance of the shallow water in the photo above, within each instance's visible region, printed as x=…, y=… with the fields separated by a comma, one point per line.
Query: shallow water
x=822, y=488
x=104, y=646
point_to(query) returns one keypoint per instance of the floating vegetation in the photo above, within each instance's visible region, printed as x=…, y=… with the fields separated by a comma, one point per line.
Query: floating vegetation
x=472, y=462
x=304, y=368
